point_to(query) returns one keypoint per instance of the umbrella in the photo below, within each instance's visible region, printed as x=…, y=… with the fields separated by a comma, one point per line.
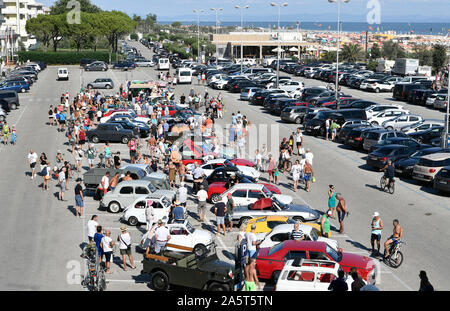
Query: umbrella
x=293, y=49
x=276, y=50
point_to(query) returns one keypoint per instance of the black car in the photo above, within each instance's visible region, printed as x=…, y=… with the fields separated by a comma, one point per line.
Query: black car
x=441, y=180
x=223, y=173
x=12, y=99
x=317, y=125
x=125, y=65
x=380, y=157
x=345, y=130
x=237, y=86
x=405, y=141
x=405, y=166
x=259, y=97
x=402, y=90
x=141, y=130
x=281, y=103
x=311, y=92
x=355, y=138
x=425, y=137
x=111, y=132
x=234, y=80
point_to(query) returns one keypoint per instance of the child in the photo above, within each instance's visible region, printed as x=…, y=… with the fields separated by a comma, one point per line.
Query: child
x=276, y=175
x=13, y=135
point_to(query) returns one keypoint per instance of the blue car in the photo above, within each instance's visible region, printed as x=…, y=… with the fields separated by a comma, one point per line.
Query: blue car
x=18, y=86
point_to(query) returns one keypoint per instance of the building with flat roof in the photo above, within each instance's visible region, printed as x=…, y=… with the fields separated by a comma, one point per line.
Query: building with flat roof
x=260, y=44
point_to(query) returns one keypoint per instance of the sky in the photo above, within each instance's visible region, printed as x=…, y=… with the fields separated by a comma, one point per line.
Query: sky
x=422, y=11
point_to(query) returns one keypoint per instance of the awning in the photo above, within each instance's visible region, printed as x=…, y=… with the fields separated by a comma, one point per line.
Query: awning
x=293, y=49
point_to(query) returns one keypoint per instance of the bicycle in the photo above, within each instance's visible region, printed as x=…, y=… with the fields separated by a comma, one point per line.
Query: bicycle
x=395, y=258
x=387, y=187
x=95, y=279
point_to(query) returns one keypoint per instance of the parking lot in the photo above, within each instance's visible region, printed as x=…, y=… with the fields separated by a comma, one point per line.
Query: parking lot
x=44, y=237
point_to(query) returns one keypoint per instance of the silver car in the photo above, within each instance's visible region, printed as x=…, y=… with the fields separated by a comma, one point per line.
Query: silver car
x=440, y=101
x=294, y=114
x=273, y=207
x=248, y=92
x=101, y=83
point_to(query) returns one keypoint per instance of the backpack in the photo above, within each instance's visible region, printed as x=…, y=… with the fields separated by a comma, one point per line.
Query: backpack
x=44, y=171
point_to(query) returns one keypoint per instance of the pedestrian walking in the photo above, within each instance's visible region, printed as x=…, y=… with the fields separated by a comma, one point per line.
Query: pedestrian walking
x=162, y=236
x=332, y=200
x=327, y=128
x=172, y=174
x=202, y=195
x=125, y=247
x=425, y=285
x=32, y=159
x=342, y=211
x=229, y=212
x=46, y=175
x=79, y=199
x=299, y=141
x=271, y=168
x=98, y=236
x=309, y=174
x=377, y=227
x=62, y=183
x=296, y=173
x=92, y=227
x=5, y=132
x=13, y=135
x=177, y=213
x=220, y=210
x=182, y=194
x=107, y=245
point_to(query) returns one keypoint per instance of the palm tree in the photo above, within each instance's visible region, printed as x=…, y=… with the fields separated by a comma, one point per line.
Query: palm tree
x=351, y=52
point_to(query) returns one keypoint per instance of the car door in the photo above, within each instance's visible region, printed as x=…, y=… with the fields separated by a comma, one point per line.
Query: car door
x=159, y=210
x=126, y=196
x=240, y=197
x=139, y=211
x=255, y=195
x=179, y=236
x=323, y=280
x=401, y=121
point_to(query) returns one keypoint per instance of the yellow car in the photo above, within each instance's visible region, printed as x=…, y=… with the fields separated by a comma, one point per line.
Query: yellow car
x=265, y=224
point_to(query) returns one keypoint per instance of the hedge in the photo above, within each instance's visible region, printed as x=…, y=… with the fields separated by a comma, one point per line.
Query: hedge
x=63, y=58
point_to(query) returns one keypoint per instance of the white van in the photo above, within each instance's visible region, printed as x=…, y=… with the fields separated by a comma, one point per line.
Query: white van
x=163, y=64
x=63, y=74
x=184, y=75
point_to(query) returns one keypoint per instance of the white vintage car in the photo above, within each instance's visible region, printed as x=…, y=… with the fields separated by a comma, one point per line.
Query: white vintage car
x=309, y=275
x=281, y=233
x=185, y=235
x=211, y=165
x=135, y=212
x=246, y=194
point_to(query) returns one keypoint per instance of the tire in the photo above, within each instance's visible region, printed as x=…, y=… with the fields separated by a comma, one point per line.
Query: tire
x=160, y=281
x=377, y=90
x=243, y=220
x=298, y=120
x=275, y=276
x=383, y=184
x=395, y=263
x=108, y=87
x=375, y=123
x=89, y=86
x=23, y=90
x=215, y=198
x=2, y=118
x=132, y=221
x=217, y=287
x=13, y=106
x=389, y=128
x=322, y=132
x=104, y=69
x=95, y=139
x=125, y=140
x=391, y=187
x=113, y=207
x=200, y=250
x=298, y=218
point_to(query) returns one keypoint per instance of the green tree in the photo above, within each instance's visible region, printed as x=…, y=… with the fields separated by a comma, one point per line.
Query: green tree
x=351, y=52
x=375, y=51
x=41, y=28
x=60, y=7
x=80, y=33
x=176, y=25
x=328, y=56
x=424, y=55
x=116, y=25
x=439, y=56
x=134, y=36
x=392, y=50
x=58, y=28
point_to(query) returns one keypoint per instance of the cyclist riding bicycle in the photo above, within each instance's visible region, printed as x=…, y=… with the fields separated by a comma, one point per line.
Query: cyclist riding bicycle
x=389, y=171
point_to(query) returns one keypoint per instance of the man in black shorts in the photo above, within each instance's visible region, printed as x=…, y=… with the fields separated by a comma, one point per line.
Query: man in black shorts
x=117, y=160
x=342, y=210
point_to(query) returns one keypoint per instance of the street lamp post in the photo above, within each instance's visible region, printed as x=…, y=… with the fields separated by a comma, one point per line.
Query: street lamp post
x=198, y=31
x=242, y=29
x=338, y=105
x=279, y=5
x=447, y=113
x=217, y=26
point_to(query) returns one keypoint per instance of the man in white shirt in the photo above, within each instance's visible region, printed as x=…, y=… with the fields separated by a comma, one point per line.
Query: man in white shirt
x=258, y=160
x=92, y=227
x=309, y=156
x=162, y=236
x=182, y=194
x=149, y=213
x=202, y=195
x=299, y=140
x=32, y=159
x=252, y=242
x=104, y=183
x=107, y=246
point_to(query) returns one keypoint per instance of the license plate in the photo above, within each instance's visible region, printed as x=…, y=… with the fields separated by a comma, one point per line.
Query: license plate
x=419, y=175
x=442, y=182
x=351, y=140
x=373, y=158
x=398, y=171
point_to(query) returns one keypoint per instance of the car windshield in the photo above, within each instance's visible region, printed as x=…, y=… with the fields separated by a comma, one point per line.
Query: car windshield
x=267, y=192
x=337, y=256
x=444, y=173
x=189, y=227
x=165, y=202
x=141, y=173
x=313, y=235
x=275, y=248
x=151, y=188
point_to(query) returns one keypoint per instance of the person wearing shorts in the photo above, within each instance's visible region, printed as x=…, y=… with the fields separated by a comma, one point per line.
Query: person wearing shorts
x=220, y=210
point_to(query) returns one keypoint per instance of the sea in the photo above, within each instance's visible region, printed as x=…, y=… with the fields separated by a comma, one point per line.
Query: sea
x=399, y=28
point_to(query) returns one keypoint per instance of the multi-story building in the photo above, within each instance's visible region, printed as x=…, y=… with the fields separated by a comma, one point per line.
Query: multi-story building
x=15, y=14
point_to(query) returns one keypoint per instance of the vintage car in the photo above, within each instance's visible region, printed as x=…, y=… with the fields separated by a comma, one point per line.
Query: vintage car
x=309, y=275
x=183, y=234
x=215, y=189
x=134, y=213
x=128, y=112
x=127, y=192
x=270, y=260
x=246, y=194
x=281, y=233
x=265, y=224
x=210, y=166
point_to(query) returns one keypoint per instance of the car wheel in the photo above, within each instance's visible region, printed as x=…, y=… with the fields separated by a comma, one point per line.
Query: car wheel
x=298, y=218
x=89, y=86
x=217, y=287
x=108, y=86
x=377, y=90
x=2, y=118
x=95, y=139
x=23, y=90
x=114, y=207
x=215, y=198
x=374, y=123
x=132, y=221
x=389, y=128
x=243, y=221
x=125, y=140
x=160, y=281
x=104, y=69
x=275, y=276
x=200, y=250
x=298, y=120
x=13, y=106
x=322, y=132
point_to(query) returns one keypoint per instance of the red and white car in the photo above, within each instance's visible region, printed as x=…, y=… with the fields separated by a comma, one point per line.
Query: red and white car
x=217, y=188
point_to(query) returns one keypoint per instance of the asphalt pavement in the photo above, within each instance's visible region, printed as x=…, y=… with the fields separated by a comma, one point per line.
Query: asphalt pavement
x=41, y=238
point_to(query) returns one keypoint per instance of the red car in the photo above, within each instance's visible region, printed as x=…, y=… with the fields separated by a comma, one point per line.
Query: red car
x=217, y=188
x=242, y=162
x=172, y=110
x=270, y=260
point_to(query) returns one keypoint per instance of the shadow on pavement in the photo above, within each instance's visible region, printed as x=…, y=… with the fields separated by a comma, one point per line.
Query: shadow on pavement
x=376, y=187
x=71, y=208
x=228, y=255
x=359, y=245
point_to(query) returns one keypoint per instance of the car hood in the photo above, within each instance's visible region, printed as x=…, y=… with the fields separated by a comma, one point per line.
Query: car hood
x=249, y=171
x=285, y=199
x=200, y=235
x=314, y=122
x=358, y=261
x=212, y=264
